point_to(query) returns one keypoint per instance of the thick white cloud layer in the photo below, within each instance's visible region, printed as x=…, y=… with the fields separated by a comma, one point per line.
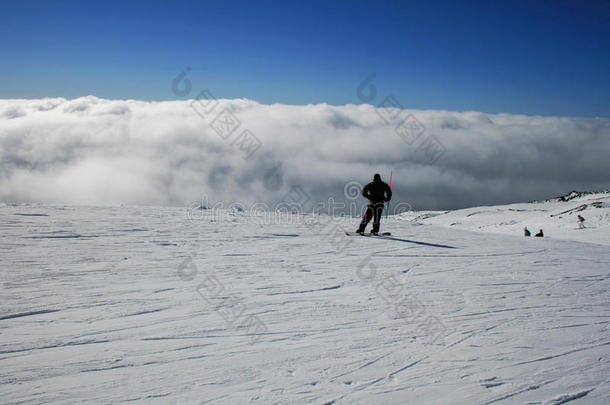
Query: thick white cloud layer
x=95, y=151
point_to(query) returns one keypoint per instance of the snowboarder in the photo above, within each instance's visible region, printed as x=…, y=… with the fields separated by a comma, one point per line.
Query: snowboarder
x=378, y=193
x=581, y=222
x=540, y=234
x=526, y=232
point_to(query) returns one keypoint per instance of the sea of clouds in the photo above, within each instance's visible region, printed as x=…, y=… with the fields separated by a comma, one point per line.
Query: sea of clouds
x=96, y=151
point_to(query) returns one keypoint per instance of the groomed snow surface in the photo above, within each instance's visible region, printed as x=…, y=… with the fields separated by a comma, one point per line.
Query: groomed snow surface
x=151, y=305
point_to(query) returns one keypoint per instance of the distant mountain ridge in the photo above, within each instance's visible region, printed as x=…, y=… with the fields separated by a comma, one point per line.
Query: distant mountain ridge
x=576, y=194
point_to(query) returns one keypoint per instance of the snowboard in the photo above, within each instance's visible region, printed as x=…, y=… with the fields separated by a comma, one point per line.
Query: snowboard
x=368, y=234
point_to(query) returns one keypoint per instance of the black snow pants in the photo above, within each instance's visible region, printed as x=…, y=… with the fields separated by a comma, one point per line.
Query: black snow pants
x=373, y=211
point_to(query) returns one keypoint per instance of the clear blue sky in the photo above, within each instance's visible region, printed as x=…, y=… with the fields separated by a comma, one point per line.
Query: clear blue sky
x=533, y=57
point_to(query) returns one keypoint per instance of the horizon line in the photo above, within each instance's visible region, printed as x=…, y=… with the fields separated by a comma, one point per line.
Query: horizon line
x=302, y=105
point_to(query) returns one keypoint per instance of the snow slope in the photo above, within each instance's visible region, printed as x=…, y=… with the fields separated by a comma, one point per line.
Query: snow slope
x=146, y=305
x=556, y=217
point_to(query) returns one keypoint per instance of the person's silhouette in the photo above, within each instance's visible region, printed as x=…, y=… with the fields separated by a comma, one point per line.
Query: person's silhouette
x=377, y=192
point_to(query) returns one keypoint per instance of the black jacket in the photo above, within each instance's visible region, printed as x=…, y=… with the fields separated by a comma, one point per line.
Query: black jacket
x=377, y=191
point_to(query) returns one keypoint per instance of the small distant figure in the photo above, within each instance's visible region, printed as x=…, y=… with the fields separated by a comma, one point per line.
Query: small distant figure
x=526, y=232
x=540, y=234
x=581, y=222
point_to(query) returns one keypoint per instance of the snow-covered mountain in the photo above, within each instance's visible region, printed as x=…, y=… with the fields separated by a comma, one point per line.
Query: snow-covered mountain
x=157, y=305
x=557, y=217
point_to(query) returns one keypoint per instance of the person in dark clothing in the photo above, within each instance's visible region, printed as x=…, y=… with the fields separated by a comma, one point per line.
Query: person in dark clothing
x=377, y=192
x=539, y=234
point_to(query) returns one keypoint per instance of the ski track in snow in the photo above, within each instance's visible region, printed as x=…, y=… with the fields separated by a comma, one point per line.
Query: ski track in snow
x=113, y=305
